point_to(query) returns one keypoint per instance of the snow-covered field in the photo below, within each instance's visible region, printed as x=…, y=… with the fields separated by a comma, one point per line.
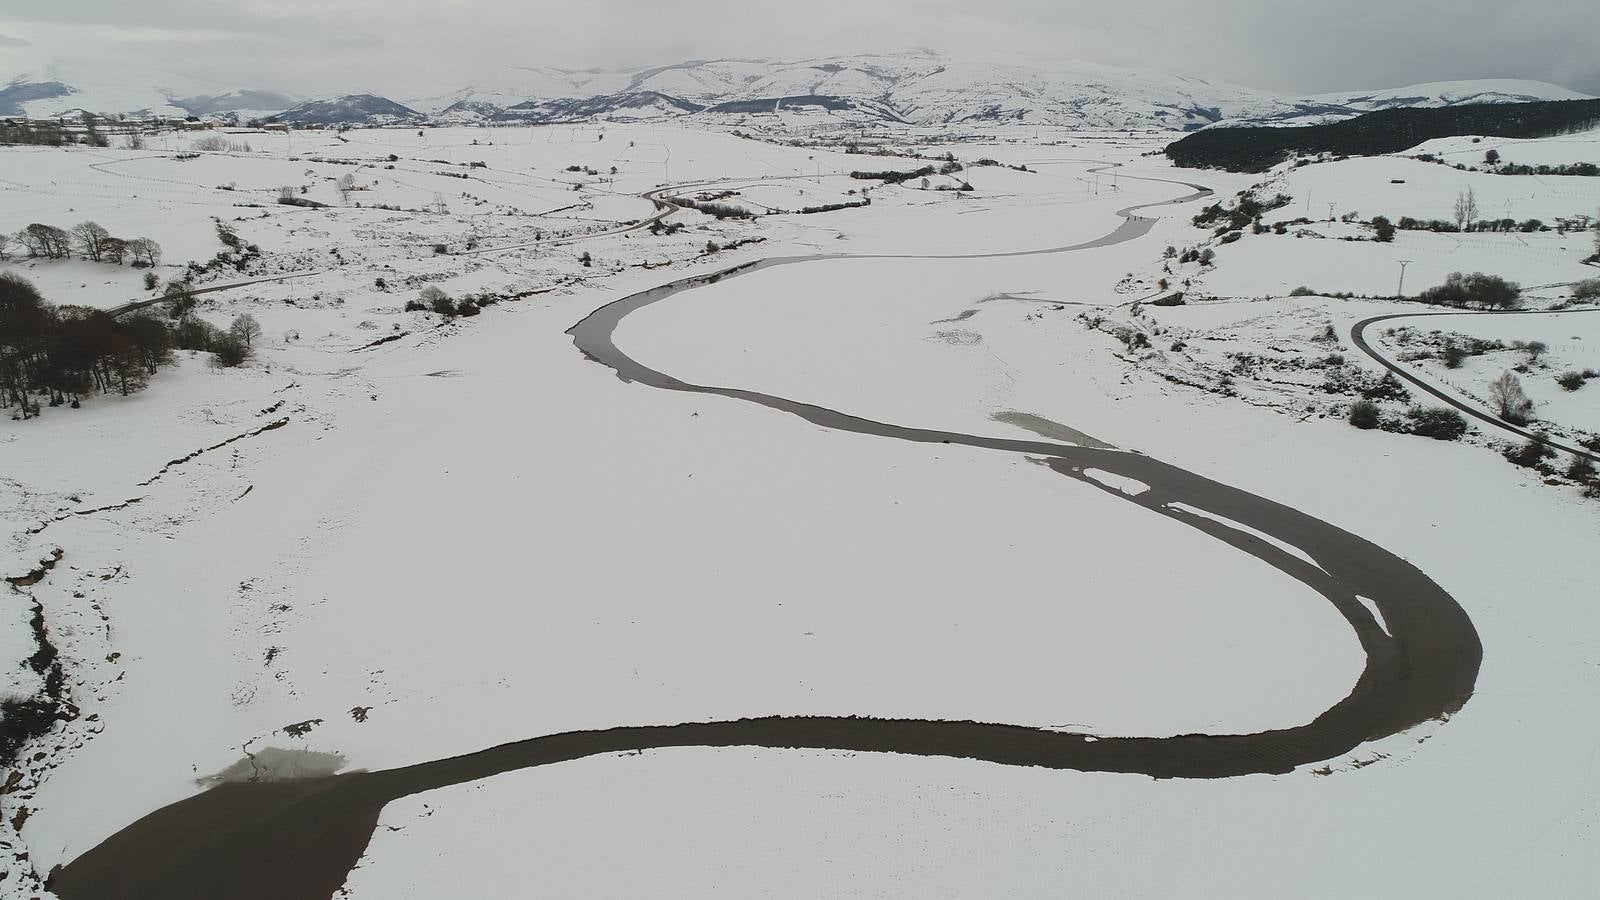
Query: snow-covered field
x=470, y=534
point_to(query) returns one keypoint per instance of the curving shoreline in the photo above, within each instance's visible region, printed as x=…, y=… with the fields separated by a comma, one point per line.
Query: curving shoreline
x=291, y=840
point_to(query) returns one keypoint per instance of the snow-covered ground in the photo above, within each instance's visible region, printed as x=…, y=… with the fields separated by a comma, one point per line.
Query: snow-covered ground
x=1571, y=343
x=471, y=534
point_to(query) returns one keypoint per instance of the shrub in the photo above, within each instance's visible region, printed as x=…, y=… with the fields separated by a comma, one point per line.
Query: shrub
x=1588, y=289
x=1302, y=291
x=1386, y=388
x=437, y=300
x=194, y=334
x=151, y=282
x=1132, y=338
x=1382, y=230
x=1531, y=454
x=1438, y=422
x=1570, y=381
x=229, y=350
x=466, y=307
x=1364, y=414
x=1581, y=470
x=1453, y=354
x=416, y=306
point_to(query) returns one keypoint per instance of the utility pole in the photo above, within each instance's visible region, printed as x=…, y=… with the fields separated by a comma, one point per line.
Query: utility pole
x=1401, y=291
x=1330, y=212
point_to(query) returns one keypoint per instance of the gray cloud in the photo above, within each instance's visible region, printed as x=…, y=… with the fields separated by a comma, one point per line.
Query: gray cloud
x=420, y=46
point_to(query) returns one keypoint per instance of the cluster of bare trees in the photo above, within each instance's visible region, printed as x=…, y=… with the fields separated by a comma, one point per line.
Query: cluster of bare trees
x=58, y=355
x=216, y=143
x=347, y=184
x=44, y=134
x=62, y=355
x=89, y=240
x=1477, y=289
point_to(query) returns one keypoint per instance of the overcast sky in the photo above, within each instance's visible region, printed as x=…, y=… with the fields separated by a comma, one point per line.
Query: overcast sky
x=420, y=47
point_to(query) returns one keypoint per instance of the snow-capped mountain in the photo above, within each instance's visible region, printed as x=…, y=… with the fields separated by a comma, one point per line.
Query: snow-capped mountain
x=54, y=90
x=352, y=109
x=915, y=87
x=1319, y=109
x=926, y=88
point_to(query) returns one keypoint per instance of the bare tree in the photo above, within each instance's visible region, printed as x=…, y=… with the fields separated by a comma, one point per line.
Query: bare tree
x=45, y=240
x=245, y=328
x=287, y=194
x=1509, y=401
x=145, y=252
x=5, y=244
x=347, y=183
x=134, y=141
x=114, y=250
x=1466, y=208
x=90, y=238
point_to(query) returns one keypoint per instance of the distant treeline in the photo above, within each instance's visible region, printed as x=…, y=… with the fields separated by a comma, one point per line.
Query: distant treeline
x=45, y=134
x=891, y=176
x=1378, y=133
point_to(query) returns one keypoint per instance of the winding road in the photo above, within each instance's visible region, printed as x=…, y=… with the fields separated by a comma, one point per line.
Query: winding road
x=298, y=840
x=1358, y=337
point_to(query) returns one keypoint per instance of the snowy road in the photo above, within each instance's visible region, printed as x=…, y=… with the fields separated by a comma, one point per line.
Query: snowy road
x=1359, y=338
x=300, y=839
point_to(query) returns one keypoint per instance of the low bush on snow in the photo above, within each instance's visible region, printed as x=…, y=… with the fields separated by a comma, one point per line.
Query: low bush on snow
x=1438, y=422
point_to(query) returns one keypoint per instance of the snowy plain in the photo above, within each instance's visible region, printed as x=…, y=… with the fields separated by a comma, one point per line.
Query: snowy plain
x=475, y=535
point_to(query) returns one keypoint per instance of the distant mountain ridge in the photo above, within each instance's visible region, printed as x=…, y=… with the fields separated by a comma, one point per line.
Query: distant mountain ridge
x=915, y=87
x=54, y=91
x=351, y=109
